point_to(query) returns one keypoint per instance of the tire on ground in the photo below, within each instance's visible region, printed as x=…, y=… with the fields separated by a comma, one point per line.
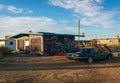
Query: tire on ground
x=89, y=60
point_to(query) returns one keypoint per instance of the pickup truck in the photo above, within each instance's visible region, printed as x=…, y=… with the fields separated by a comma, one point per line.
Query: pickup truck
x=89, y=54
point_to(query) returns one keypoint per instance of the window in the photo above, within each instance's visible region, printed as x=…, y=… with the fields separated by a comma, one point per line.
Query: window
x=89, y=50
x=11, y=43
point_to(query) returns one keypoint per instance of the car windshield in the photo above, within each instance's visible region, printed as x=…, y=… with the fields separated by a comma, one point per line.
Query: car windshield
x=76, y=50
x=84, y=50
x=88, y=50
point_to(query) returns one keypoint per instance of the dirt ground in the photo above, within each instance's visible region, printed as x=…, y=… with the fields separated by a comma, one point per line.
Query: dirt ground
x=58, y=69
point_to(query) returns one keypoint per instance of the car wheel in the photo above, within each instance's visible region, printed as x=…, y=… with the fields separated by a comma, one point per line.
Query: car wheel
x=90, y=59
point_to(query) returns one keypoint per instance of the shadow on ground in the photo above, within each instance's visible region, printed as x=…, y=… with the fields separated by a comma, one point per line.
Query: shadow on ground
x=57, y=63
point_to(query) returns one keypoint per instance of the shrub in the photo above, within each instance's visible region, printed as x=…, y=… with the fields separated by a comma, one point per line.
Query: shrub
x=13, y=52
x=4, y=51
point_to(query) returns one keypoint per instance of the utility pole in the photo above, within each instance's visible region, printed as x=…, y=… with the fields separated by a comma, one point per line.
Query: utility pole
x=78, y=32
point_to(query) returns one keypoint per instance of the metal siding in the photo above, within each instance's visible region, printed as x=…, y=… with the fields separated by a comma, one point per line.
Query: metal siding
x=20, y=44
x=36, y=44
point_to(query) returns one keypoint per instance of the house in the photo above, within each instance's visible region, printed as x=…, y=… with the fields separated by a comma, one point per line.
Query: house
x=11, y=44
x=112, y=43
x=87, y=43
x=109, y=41
x=44, y=42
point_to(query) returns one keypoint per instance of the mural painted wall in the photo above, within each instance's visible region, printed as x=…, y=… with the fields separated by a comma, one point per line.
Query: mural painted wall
x=54, y=44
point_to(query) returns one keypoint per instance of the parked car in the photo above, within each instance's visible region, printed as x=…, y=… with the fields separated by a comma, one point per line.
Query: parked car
x=89, y=54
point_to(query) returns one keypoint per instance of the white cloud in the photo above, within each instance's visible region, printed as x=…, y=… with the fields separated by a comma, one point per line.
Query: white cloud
x=99, y=1
x=15, y=10
x=64, y=22
x=102, y=20
x=1, y=6
x=72, y=30
x=20, y=22
x=15, y=25
x=84, y=7
x=90, y=12
x=30, y=11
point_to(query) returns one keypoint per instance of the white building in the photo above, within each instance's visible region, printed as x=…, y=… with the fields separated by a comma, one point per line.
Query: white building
x=11, y=44
x=115, y=41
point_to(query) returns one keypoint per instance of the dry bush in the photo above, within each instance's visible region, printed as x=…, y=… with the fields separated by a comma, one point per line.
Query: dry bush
x=4, y=51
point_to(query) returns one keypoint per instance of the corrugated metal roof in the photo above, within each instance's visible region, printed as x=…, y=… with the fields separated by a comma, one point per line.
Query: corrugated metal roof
x=43, y=34
x=24, y=34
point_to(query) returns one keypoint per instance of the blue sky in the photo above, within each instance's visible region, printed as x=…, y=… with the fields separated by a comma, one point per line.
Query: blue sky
x=99, y=18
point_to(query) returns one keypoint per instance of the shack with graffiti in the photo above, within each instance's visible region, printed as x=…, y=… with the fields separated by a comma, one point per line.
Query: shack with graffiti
x=44, y=42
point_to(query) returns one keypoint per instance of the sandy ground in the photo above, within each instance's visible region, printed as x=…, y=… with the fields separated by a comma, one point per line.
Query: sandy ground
x=58, y=69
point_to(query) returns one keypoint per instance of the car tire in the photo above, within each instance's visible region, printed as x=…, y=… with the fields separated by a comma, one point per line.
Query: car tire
x=90, y=59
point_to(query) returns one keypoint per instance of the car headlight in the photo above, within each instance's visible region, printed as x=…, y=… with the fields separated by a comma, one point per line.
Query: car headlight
x=76, y=55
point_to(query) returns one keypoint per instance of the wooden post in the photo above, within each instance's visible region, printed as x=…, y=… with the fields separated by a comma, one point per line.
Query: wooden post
x=78, y=32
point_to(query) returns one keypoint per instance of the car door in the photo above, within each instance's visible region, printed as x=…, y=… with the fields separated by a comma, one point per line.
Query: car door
x=87, y=52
